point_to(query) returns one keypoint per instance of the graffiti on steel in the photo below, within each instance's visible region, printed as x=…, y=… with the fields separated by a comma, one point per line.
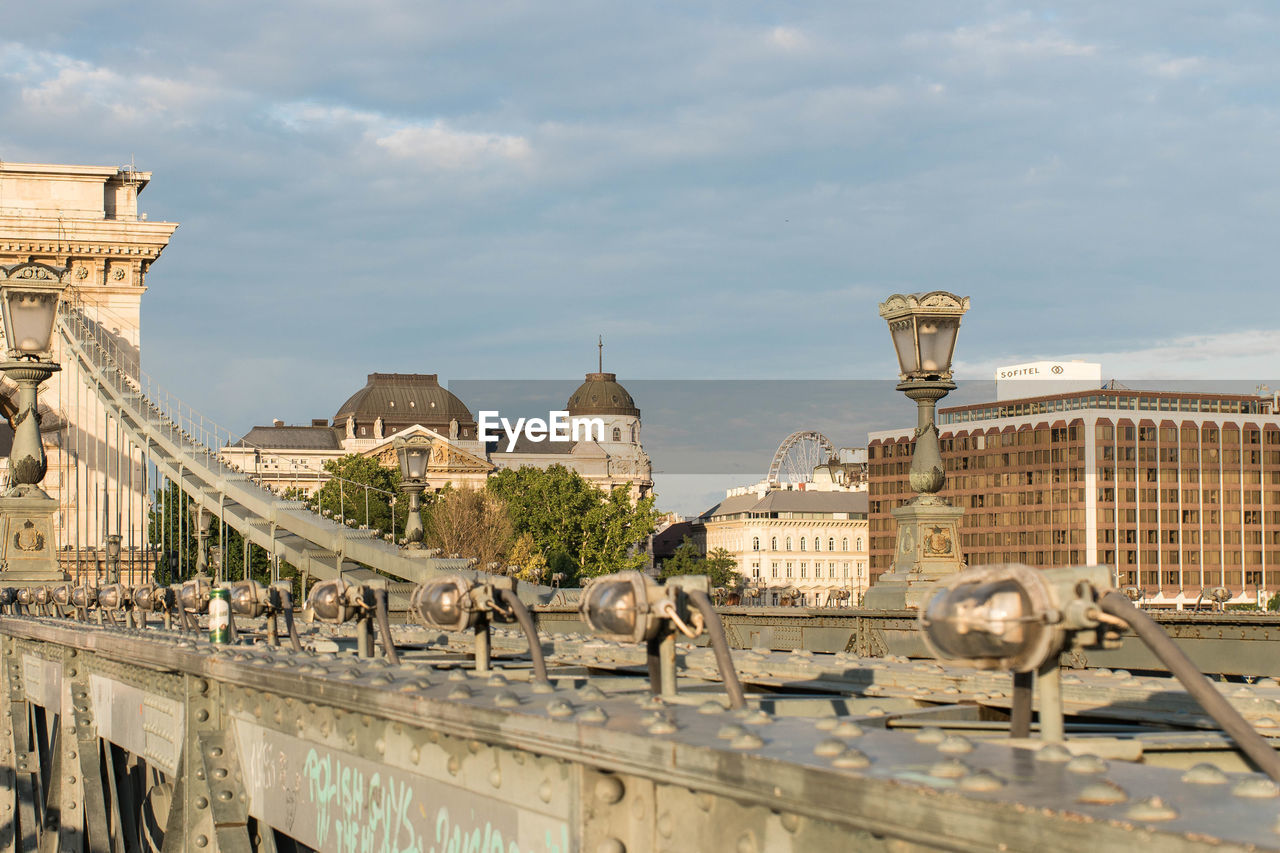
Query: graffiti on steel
x=335, y=800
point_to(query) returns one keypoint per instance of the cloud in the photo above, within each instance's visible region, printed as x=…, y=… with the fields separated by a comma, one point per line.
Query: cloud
x=1247, y=354
x=790, y=39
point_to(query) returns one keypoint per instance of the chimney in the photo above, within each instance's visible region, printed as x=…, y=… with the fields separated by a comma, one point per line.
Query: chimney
x=277, y=422
x=319, y=422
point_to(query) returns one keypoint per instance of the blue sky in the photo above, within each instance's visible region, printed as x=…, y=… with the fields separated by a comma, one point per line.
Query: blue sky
x=724, y=190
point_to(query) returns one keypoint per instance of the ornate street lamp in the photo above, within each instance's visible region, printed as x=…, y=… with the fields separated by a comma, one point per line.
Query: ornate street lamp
x=29, y=295
x=113, y=558
x=413, y=451
x=923, y=327
x=201, y=518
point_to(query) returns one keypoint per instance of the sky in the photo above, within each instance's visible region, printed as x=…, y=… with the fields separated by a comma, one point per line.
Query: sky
x=723, y=190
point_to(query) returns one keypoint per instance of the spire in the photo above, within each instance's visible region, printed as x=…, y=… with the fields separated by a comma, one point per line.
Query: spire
x=600, y=353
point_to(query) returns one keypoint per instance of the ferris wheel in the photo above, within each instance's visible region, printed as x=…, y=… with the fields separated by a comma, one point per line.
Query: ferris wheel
x=798, y=455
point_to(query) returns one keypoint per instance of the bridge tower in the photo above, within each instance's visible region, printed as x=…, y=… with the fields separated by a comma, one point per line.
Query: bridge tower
x=85, y=218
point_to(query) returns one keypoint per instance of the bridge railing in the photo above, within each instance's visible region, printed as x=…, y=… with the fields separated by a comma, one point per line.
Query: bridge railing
x=183, y=445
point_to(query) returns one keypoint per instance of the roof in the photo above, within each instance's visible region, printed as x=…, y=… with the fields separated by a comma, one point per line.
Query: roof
x=291, y=438
x=787, y=500
x=601, y=394
x=524, y=445
x=415, y=397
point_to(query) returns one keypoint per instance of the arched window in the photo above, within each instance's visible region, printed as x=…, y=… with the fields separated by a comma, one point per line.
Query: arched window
x=831, y=544
x=633, y=433
x=801, y=543
x=788, y=543
x=755, y=543
x=773, y=544
x=844, y=544
x=859, y=543
x=817, y=543
x=617, y=434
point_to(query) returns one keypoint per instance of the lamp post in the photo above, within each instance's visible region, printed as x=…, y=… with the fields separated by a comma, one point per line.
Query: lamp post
x=113, y=558
x=29, y=295
x=413, y=451
x=201, y=517
x=924, y=327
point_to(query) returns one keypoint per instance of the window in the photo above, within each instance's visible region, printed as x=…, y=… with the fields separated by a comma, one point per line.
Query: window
x=804, y=570
x=774, y=569
x=844, y=544
x=859, y=543
x=788, y=570
x=817, y=543
x=801, y=543
x=755, y=543
x=817, y=570
x=617, y=434
x=788, y=543
x=773, y=545
x=831, y=544
x=844, y=570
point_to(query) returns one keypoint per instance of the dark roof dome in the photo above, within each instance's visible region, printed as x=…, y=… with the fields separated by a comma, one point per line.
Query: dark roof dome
x=601, y=395
x=413, y=397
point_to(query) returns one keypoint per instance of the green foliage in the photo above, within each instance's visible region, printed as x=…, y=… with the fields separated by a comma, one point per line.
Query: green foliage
x=579, y=529
x=361, y=493
x=719, y=566
x=1274, y=603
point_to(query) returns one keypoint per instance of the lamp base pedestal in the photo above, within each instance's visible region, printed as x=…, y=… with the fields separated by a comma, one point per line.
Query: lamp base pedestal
x=27, y=555
x=927, y=552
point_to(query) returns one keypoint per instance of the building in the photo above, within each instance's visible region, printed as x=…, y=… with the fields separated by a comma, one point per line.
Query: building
x=1179, y=492
x=812, y=541
x=391, y=405
x=85, y=219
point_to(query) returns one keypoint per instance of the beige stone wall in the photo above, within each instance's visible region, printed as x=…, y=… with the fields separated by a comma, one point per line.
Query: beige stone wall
x=86, y=218
x=760, y=547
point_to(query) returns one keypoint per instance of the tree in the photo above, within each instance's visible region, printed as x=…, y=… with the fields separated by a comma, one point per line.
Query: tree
x=471, y=523
x=362, y=492
x=533, y=565
x=579, y=529
x=719, y=566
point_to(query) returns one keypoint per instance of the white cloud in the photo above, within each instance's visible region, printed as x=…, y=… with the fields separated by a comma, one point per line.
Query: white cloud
x=789, y=39
x=1248, y=354
x=437, y=144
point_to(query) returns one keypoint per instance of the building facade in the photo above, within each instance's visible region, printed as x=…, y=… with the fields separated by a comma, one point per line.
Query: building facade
x=396, y=404
x=1179, y=492
x=807, y=546
x=85, y=219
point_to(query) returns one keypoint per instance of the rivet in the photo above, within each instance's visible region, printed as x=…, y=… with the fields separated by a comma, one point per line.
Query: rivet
x=216, y=752
x=202, y=841
x=454, y=765
x=609, y=789
x=949, y=769
x=1256, y=788
x=506, y=699
x=201, y=716
x=1103, y=793
x=956, y=745
x=1152, y=808
x=730, y=731
x=495, y=777
x=829, y=747
x=225, y=795
x=594, y=714
x=1054, y=753
x=983, y=780
x=544, y=791
x=202, y=802
x=847, y=729
x=930, y=734
x=1087, y=765
x=851, y=759
x=1204, y=774
x=710, y=707
x=790, y=821
x=559, y=708
x=460, y=691
x=662, y=727
x=747, y=740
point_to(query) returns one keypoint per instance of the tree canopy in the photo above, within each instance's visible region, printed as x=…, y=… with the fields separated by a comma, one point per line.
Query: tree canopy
x=719, y=566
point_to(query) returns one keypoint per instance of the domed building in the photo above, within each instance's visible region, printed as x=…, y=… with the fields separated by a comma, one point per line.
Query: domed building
x=394, y=404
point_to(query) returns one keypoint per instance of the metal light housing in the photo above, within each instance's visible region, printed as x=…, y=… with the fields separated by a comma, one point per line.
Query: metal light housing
x=42, y=595
x=336, y=600
x=249, y=598
x=447, y=603
x=413, y=452
x=29, y=296
x=62, y=595
x=193, y=595
x=113, y=596
x=84, y=596
x=1010, y=617
x=620, y=607
x=8, y=596
x=26, y=596
x=149, y=598
x=924, y=327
